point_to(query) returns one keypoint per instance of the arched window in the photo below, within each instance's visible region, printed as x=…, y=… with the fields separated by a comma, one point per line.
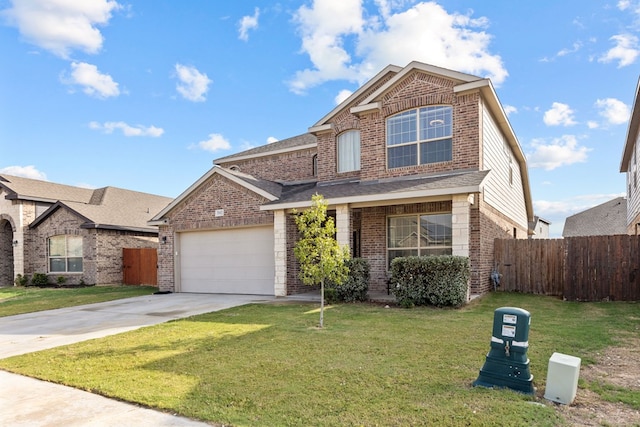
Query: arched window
x=65, y=254
x=349, y=151
x=420, y=136
x=314, y=165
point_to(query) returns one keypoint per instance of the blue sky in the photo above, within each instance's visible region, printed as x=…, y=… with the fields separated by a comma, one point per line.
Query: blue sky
x=145, y=94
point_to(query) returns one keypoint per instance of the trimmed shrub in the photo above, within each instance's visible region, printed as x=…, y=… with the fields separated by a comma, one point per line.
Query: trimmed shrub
x=430, y=280
x=40, y=279
x=355, y=288
x=21, y=280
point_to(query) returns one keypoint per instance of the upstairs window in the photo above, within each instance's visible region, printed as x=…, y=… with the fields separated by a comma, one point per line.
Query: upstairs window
x=420, y=136
x=349, y=151
x=65, y=254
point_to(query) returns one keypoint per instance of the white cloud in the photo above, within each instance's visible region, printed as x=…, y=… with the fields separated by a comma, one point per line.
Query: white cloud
x=613, y=110
x=193, y=85
x=510, y=109
x=559, y=114
x=566, y=51
x=25, y=172
x=591, y=124
x=625, y=51
x=272, y=139
x=61, y=26
x=127, y=130
x=561, y=151
x=455, y=41
x=342, y=95
x=248, y=23
x=93, y=82
x=216, y=142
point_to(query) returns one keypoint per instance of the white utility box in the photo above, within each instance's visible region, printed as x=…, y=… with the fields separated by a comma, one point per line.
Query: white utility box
x=562, y=378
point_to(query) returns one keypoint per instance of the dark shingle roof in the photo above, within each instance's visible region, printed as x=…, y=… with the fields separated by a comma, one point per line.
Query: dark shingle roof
x=607, y=219
x=285, y=144
x=441, y=184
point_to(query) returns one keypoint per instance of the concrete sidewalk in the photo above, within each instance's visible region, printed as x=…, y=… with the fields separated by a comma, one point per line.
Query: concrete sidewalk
x=29, y=402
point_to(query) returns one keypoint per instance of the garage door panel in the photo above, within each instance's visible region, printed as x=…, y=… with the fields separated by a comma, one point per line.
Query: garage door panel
x=228, y=261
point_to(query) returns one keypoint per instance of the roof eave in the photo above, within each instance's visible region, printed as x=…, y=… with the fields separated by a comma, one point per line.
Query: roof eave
x=159, y=218
x=375, y=199
x=230, y=159
x=632, y=131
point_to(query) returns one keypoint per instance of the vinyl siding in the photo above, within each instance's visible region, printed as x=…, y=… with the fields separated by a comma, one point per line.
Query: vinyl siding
x=505, y=196
x=633, y=186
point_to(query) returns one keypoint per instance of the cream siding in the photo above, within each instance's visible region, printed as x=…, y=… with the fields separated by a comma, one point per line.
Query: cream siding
x=633, y=187
x=503, y=187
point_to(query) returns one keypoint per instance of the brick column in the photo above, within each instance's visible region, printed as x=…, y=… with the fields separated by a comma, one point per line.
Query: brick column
x=280, y=252
x=460, y=208
x=343, y=225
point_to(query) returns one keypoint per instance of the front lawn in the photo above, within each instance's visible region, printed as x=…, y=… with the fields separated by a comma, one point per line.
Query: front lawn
x=268, y=364
x=19, y=300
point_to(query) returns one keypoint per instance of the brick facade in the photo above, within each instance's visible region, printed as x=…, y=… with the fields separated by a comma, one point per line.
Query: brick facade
x=102, y=249
x=241, y=208
x=290, y=166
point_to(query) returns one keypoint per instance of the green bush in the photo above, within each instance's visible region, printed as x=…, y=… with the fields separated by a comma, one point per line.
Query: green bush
x=39, y=279
x=355, y=288
x=430, y=280
x=61, y=280
x=21, y=280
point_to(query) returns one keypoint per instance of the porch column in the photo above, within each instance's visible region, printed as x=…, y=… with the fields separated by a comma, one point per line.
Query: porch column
x=280, y=252
x=343, y=225
x=460, y=216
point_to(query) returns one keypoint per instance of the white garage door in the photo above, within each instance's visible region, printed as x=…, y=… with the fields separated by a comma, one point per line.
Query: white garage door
x=238, y=261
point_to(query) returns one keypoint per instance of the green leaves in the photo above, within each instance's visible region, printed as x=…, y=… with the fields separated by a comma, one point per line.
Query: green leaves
x=320, y=256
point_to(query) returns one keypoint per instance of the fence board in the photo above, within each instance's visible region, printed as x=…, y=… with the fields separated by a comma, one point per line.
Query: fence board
x=593, y=268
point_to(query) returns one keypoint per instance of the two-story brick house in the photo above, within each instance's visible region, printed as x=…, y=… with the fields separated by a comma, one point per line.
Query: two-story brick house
x=419, y=160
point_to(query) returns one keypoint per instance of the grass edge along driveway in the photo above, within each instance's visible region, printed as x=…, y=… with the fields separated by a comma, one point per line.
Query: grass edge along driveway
x=20, y=300
x=268, y=364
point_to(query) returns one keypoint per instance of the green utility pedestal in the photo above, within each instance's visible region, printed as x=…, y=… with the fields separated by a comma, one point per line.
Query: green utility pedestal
x=507, y=364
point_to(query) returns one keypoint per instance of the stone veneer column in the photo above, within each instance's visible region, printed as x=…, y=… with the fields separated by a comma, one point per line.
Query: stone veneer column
x=343, y=225
x=280, y=252
x=460, y=211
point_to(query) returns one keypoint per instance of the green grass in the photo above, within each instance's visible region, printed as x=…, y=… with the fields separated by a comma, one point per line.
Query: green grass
x=20, y=300
x=268, y=364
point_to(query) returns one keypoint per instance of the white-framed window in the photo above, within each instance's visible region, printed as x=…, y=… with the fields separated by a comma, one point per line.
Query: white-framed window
x=418, y=235
x=65, y=254
x=420, y=136
x=349, y=151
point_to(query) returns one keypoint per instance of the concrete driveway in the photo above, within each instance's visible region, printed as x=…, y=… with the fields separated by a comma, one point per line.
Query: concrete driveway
x=29, y=402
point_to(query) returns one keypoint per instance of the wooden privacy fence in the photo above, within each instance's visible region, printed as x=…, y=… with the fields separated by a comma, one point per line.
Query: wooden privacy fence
x=140, y=266
x=593, y=268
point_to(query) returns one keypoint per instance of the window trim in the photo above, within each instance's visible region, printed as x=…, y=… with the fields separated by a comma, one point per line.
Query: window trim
x=66, y=257
x=418, y=248
x=417, y=142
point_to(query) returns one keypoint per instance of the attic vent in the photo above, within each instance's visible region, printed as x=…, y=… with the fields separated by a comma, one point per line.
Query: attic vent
x=235, y=168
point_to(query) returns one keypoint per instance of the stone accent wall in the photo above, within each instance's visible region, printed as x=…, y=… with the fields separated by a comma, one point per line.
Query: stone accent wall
x=291, y=166
x=102, y=249
x=416, y=90
x=198, y=212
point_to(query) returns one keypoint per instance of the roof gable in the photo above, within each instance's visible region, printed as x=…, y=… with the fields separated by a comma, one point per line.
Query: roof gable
x=111, y=208
x=267, y=189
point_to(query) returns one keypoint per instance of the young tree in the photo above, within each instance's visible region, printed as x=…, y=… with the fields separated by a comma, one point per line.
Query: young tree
x=320, y=256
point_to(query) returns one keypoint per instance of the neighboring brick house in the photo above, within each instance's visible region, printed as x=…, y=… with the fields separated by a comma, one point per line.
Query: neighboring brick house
x=416, y=151
x=630, y=164
x=68, y=231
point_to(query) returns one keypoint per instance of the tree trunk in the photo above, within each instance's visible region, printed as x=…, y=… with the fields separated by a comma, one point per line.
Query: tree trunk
x=322, y=303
